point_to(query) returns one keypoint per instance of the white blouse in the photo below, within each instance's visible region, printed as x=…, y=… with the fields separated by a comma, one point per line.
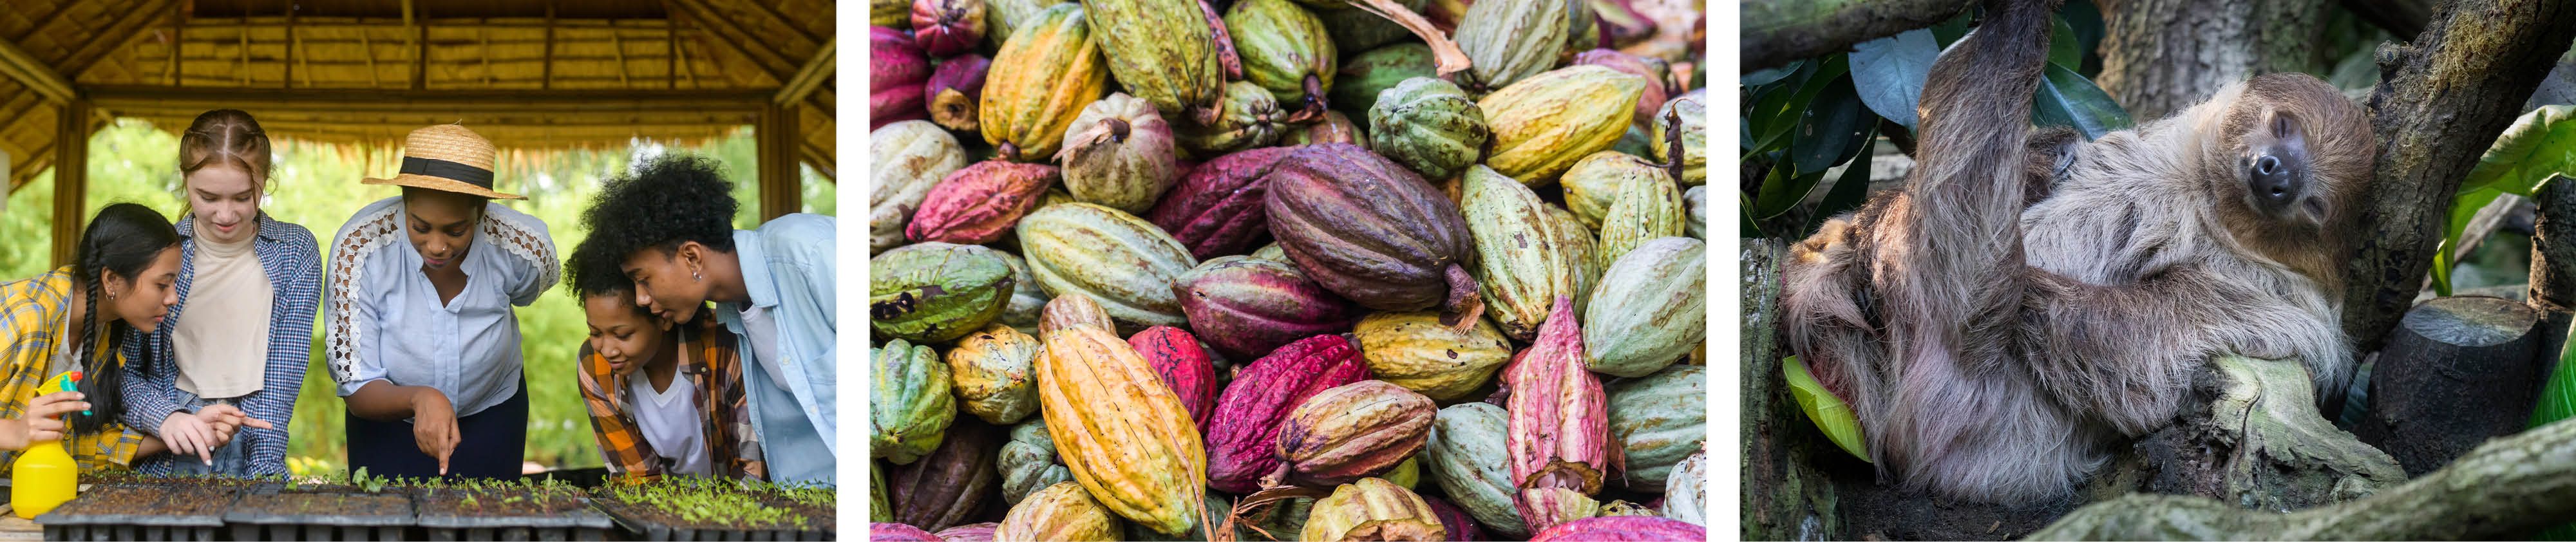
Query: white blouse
x=384, y=321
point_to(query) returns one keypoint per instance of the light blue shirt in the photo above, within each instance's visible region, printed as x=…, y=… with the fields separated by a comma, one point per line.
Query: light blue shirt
x=383, y=319
x=787, y=267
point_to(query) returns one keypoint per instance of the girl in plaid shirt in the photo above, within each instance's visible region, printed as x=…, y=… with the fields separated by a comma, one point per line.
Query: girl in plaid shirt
x=664, y=398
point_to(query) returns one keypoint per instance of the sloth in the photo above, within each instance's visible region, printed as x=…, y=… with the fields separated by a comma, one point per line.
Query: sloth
x=2029, y=300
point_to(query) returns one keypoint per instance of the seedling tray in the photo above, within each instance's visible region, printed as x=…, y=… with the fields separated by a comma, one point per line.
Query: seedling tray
x=154, y=512
x=644, y=521
x=274, y=513
x=510, y=514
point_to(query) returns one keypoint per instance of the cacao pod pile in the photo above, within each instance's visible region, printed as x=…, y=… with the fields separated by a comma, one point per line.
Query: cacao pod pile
x=1301, y=269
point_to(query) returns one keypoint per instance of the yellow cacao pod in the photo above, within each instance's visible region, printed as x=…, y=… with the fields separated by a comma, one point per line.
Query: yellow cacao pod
x=1061, y=512
x=1126, y=436
x=1039, y=82
x=1594, y=182
x=1412, y=349
x=1521, y=262
x=1544, y=124
x=1372, y=509
x=994, y=369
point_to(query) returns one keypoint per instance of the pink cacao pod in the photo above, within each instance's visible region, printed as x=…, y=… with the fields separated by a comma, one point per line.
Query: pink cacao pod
x=896, y=70
x=1184, y=365
x=946, y=28
x=899, y=532
x=978, y=204
x=1622, y=529
x=1245, y=426
x=1559, y=428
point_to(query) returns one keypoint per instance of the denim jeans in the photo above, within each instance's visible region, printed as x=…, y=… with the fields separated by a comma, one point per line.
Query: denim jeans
x=230, y=459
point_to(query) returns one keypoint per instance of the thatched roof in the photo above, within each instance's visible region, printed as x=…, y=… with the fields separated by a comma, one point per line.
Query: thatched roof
x=529, y=74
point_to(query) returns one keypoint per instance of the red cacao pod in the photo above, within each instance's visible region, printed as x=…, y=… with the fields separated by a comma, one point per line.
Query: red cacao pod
x=978, y=204
x=896, y=70
x=946, y=28
x=1216, y=209
x=1245, y=426
x=1454, y=520
x=899, y=532
x=1622, y=529
x=1250, y=306
x=1184, y=365
x=1373, y=231
x=955, y=89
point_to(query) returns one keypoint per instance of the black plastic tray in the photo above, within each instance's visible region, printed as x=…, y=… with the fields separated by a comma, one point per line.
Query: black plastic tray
x=75, y=521
x=248, y=521
x=637, y=528
x=581, y=523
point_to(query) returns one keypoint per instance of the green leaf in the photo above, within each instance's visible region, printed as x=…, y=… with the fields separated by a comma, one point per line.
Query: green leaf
x=2063, y=48
x=1752, y=227
x=2067, y=99
x=1768, y=76
x=2541, y=145
x=1775, y=118
x=1889, y=73
x=1834, y=125
x=1782, y=188
x=1831, y=414
x=1949, y=32
x=1848, y=192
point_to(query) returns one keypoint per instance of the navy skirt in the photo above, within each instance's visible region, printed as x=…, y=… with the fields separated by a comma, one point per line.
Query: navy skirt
x=492, y=444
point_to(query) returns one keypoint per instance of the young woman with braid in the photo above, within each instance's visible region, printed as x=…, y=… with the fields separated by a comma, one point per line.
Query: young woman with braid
x=80, y=318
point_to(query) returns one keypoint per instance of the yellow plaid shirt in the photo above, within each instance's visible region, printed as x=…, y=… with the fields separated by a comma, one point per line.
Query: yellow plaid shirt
x=30, y=311
x=710, y=360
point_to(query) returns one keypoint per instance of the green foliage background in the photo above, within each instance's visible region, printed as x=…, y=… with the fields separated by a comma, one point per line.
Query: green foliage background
x=316, y=185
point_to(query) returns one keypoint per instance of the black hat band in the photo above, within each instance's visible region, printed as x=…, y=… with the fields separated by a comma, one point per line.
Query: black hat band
x=476, y=176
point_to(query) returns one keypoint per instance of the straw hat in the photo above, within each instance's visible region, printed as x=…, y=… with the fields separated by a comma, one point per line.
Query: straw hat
x=447, y=158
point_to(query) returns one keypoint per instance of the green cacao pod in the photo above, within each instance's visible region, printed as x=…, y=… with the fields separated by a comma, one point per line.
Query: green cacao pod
x=908, y=404
x=1633, y=330
x=1335, y=128
x=1593, y=184
x=1026, y=296
x=1470, y=460
x=1164, y=51
x=1428, y=125
x=1365, y=76
x=1247, y=117
x=1510, y=40
x=1120, y=261
x=1359, y=29
x=1372, y=509
x=1696, y=199
x=1691, y=110
x=1286, y=51
x=1545, y=123
x=911, y=157
x=1001, y=17
x=1216, y=507
x=1521, y=263
x=1649, y=206
x=1061, y=513
x=1118, y=153
x=1579, y=241
x=935, y=292
x=1412, y=349
x=1660, y=419
x=1272, y=252
x=880, y=505
x=1039, y=83
x=1028, y=461
x=994, y=373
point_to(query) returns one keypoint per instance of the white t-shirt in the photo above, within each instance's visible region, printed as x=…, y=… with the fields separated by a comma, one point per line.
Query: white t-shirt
x=670, y=421
x=763, y=331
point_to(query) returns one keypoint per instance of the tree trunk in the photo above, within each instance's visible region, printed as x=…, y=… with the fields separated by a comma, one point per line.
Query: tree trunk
x=2442, y=103
x=2458, y=371
x=1779, y=31
x=1785, y=497
x=2160, y=56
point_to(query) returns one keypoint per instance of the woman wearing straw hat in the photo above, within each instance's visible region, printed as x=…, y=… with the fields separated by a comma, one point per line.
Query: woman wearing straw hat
x=420, y=332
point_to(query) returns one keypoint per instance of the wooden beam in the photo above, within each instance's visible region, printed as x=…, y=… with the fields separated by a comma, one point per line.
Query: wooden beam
x=178, y=16
x=34, y=74
x=816, y=70
x=106, y=40
x=546, y=77
x=782, y=20
x=733, y=37
x=374, y=79
x=461, y=102
x=670, y=36
x=777, y=144
x=71, y=180
x=420, y=46
x=291, y=45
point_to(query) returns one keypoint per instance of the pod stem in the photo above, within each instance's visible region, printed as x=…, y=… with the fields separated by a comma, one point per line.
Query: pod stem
x=1465, y=305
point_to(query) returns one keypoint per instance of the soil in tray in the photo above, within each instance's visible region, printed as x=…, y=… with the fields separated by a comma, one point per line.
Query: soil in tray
x=503, y=502
x=711, y=507
x=298, y=503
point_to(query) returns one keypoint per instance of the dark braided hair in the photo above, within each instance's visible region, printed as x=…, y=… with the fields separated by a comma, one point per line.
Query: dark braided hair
x=123, y=240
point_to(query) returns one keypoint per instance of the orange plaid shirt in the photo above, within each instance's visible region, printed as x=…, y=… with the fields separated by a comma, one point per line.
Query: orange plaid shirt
x=709, y=358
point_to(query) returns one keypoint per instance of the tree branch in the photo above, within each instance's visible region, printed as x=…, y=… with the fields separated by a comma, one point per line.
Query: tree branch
x=1779, y=31
x=2443, y=100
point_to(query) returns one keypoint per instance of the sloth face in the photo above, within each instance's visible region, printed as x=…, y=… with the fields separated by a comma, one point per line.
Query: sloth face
x=2301, y=154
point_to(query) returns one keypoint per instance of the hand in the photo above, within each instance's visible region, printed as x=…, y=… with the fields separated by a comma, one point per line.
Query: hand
x=433, y=426
x=186, y=434
x=227, y=420
x=41, y=422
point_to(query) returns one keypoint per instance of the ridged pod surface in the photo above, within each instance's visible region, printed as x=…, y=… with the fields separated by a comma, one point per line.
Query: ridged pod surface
x=1040, y=81
x=1334, y=128
x=1373, y=232
x=1287, y=51
x=1635, y=330
x=1653, y=69
x=880, y=506
x=936, y=292
x=995, y=373
x=1163, y=51
x=897, y=69
x=1060, y=513
x=1646, y=208
x=1430, y=126
x=1370, y=73
x=1622, y=529
x=1544, y=123
x=956, y=91
x=1247, y=307
x=1026, y=297
x=1245, y=427
x=978, y=204
x=1215, y=504
x=948, y=28
x=900, y=533
x=1216, y=209
x=1028, y=462
x=1183, y=364
x=1549, y=506
x=1002, y=17
x=971, y=532
x=909, y=157
x=1696, y=200
x=1125, y=436
x=1686, y=490
x=948, y=486
x=908, y=404
x=1510, y=40
x=1414, y=350
x=1118, y=153
x=1659, y=419
x=1372, y=509
x=1120, y=261
x=1521, y=262
x=1247, y=117
x=1559, y=427
x=1593, y=184
x=1353, y=431
x=1359, y=29
x=1691, y=108
x=1469, y=458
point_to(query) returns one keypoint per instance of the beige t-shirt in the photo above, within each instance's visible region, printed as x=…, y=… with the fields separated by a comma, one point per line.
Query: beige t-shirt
x=222, y=340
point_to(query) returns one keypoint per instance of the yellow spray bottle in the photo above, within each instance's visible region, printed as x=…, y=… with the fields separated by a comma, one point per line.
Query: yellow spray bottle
x=44, y=476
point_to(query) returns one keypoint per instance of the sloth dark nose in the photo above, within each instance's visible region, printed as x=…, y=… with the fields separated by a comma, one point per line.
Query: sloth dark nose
x=2274, y=182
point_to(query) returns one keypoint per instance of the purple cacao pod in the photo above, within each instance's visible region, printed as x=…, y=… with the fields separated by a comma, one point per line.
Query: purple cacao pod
x=1454, y=520
x=1373, y=231
x=1249, y=306
x=947, y=487
x=1245, y=426
x=896, y=70
x=954, y=90
x=1216, y=209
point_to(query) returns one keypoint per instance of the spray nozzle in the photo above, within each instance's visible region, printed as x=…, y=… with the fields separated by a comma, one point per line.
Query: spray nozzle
x=64, y=382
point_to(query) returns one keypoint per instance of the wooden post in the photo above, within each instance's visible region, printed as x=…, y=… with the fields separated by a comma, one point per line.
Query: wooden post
x=71, y=179
x=780, y=191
